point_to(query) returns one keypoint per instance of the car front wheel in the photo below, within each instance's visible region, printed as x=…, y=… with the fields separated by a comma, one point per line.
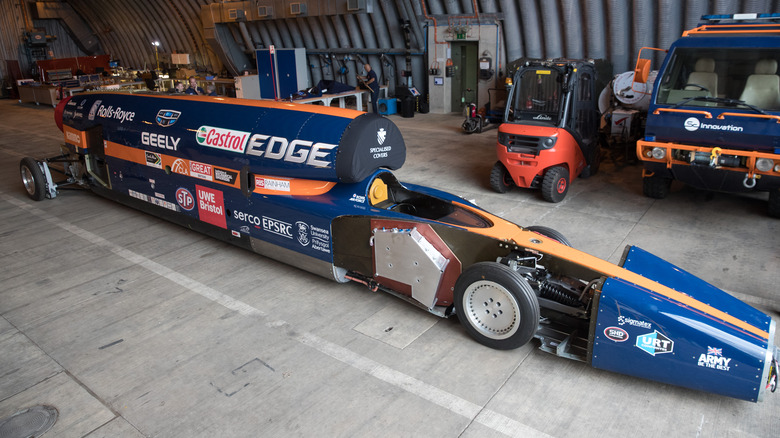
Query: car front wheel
x=496, y=306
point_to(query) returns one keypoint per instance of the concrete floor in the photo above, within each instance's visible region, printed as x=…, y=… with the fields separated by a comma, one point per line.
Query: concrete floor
x=132, y=326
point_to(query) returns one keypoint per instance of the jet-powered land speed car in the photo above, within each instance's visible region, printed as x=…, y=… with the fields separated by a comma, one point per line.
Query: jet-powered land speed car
x=310, y=186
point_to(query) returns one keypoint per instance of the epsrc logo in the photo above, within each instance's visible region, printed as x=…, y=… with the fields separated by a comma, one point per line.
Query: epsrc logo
x=275, y=226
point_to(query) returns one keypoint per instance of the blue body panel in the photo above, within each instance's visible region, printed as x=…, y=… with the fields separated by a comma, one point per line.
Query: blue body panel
x=645, y=334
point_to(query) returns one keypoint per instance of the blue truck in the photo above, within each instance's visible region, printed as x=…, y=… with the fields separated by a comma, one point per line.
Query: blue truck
x=714, y=116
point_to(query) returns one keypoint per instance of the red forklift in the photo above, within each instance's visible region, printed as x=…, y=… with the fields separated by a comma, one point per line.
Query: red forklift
x=550, y=131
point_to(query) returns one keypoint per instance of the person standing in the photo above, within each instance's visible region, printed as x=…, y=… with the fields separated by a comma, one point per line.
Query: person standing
x=194, y=88
x=371, y=81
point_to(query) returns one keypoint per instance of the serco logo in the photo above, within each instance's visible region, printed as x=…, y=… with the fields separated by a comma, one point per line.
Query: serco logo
x=184, y=199
x=691, y=124
x=219, y=138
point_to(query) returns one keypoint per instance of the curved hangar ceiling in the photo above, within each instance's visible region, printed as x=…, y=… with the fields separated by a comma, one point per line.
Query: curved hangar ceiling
x=338, y=34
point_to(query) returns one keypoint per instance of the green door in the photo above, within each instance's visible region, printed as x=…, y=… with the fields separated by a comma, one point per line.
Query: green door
x=464, y=75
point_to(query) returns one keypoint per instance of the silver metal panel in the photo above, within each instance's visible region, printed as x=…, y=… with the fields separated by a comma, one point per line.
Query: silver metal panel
x=407, y=257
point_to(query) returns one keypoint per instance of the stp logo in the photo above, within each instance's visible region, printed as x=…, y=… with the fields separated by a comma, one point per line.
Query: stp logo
x=185, y=199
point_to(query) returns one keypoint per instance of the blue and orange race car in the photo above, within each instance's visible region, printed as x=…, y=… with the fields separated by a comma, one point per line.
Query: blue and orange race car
x=313, y=187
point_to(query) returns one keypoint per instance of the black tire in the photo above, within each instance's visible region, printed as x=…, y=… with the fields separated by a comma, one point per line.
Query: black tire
x=496, y=306
x=774, y=203
x=593, y=167
x=656, y=187
x=33, y=179
x=549, y=232
x=500, y=179
x=555, y=184
x=470, y=125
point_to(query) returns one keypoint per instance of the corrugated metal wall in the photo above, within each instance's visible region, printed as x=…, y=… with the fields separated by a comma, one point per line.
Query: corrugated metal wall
x=610, y=29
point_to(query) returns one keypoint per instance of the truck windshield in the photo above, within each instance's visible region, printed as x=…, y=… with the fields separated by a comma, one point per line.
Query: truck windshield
x=734, y=78
x=537, y=96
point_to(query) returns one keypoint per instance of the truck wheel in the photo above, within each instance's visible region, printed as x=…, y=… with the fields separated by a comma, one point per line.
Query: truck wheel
x=774, y=203
x=496, y=306
x=555, y=184
x=500, y=179
x=33, y=179
x=656, y=187
x=549, y=232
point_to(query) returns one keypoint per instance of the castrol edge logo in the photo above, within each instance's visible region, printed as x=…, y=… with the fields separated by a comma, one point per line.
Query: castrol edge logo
x=220, y=138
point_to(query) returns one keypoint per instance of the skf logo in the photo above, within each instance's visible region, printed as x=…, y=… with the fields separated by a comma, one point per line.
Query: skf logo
x=381, y=135
x=616, y=334
x=655, y=343
x=225, y=139
x=184, y=199
x=167, y=117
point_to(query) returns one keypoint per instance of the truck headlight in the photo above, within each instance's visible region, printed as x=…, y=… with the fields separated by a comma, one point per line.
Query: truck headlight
x=764, y=164
x=659, y=153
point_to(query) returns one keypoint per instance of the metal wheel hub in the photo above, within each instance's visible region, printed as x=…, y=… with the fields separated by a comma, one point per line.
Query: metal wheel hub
x=27, y=179
x=491, y=309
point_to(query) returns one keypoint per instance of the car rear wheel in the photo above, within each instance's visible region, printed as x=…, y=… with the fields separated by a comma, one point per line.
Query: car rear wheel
x=496, y=306
x=33, y=179
x=500, y=179
x=656, y=187
x=555, y=184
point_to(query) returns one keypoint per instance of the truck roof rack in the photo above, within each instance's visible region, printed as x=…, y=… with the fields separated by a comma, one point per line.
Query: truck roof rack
x=736, y=24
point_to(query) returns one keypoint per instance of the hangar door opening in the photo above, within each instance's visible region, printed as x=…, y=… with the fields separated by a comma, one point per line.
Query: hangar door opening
x=464, y=75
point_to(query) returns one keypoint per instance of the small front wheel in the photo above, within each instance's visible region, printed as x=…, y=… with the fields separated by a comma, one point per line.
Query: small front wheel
x=496, y=306
x=33, y=179
x=555, y=184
